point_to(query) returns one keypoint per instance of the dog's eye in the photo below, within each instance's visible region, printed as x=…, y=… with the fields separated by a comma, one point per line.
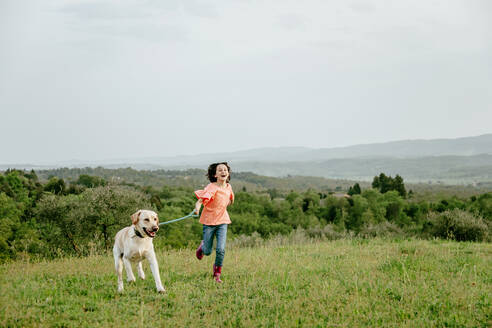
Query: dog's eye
x=146, y=220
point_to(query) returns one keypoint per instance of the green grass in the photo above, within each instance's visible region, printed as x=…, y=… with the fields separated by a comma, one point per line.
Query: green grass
x=344, y=283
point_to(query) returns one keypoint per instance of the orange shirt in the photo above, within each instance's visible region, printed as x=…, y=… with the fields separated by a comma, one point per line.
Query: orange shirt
x=215, y=201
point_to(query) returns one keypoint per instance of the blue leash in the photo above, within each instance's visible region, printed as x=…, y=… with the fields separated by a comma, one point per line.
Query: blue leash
x=191, y=215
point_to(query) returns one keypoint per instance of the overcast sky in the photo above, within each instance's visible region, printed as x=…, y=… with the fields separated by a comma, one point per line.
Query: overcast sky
x=96, y=80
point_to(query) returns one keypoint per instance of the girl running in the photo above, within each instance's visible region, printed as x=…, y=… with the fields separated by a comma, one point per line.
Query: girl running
x=215, y=198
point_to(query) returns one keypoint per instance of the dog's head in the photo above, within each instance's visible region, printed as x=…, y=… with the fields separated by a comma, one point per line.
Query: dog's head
x=146, y=221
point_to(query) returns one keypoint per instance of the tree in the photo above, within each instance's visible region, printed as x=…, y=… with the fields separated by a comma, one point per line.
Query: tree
x=376, y=204
x=55, y=185
x=356, y=212
x=394, y=207
x=310, y=201
x=16, y=186
x=355, y=190
x=386, y=183
x=399, y=186
x=273, y=192
x=9, y=223
x=156, y=202
x=105, y=210
x=90, y=181
x=56, y=226
x=292, y=196
x=483, y=206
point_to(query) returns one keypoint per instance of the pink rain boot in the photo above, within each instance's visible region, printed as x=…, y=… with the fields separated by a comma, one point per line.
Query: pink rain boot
x=217, y=271
x=199, y=251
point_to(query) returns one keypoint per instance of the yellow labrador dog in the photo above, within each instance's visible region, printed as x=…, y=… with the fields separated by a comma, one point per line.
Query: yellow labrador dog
x=133, y=244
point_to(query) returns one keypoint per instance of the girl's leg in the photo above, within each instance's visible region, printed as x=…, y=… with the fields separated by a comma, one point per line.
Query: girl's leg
x=208, y=239
x=199, y=251
x=220, y=250
x=221, y=243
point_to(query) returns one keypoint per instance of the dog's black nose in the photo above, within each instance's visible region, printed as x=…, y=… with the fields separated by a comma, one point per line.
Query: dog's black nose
x=154, y=229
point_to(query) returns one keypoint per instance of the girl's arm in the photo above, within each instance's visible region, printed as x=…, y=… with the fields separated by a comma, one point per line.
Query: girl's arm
x=231, y=199
x=198, y=205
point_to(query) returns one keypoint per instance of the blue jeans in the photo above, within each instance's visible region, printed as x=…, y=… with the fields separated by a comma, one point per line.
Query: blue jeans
x=220, y=231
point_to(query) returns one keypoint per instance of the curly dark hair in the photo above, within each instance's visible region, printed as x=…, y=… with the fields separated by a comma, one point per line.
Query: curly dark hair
x=212, y=170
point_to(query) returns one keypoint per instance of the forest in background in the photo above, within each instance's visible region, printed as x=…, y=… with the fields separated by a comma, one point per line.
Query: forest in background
x=250, y=181
x=62, y=212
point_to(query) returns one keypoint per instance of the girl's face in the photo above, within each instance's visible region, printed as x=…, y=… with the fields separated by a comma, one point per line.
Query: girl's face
x=221, y=173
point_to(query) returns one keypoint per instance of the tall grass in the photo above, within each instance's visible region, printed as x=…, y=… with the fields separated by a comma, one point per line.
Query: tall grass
x=281, y=282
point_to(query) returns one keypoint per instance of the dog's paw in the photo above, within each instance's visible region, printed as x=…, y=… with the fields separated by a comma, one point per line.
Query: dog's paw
x=161, y=290
x=120, y=290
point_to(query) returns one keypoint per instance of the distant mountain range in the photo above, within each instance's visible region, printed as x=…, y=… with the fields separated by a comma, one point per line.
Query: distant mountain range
x=446, y=169
x=468, y=146
x=460, y=160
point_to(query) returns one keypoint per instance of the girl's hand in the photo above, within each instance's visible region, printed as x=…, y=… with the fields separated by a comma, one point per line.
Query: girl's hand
x=198, y=205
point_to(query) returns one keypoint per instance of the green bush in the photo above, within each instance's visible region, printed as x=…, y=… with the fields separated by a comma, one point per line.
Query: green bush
x=483, y=205
x=328, y=232
x=458, y=225
x=241, y=241
x=382, y=229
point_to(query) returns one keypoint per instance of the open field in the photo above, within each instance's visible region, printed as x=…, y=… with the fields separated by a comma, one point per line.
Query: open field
x=344, y=283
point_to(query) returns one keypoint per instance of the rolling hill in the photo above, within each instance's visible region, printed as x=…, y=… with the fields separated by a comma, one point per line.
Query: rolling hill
x=453, y=161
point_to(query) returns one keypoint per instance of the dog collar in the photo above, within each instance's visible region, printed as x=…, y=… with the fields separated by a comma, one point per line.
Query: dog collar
x=138, y=233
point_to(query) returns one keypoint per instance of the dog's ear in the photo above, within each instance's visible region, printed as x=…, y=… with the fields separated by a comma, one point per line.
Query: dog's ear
x=135, y=217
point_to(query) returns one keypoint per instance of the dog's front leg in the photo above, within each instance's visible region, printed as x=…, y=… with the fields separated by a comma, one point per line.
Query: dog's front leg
x=129, y=272
x=154, y=267
x=141, y=273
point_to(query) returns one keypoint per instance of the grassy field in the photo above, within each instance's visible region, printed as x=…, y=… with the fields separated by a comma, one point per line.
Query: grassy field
x=344, y=283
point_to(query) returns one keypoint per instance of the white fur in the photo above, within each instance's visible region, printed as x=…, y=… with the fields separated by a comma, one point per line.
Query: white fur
x=129, y=247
